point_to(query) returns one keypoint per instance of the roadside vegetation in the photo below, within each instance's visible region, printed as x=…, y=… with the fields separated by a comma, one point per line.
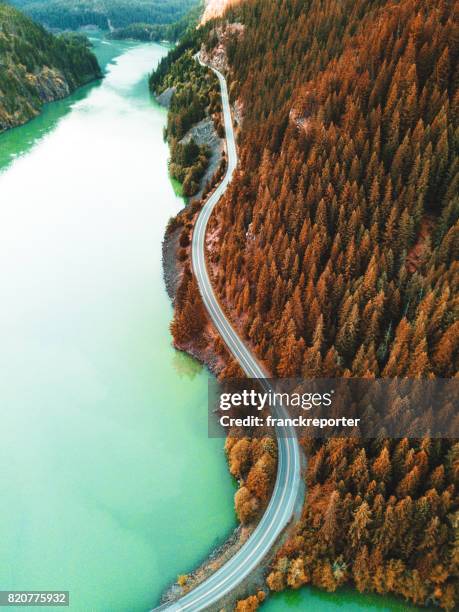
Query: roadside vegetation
x=195, y=96
x=335, y=253
x=188, y=164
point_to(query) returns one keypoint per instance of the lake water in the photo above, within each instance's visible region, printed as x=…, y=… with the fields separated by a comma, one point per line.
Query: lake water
x=110, y=485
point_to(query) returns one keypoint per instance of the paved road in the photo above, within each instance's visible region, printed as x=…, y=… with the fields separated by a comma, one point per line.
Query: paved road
x=282, y=503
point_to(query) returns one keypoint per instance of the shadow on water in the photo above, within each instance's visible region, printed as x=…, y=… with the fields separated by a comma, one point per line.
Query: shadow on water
x=186, y=367
x=17, y=141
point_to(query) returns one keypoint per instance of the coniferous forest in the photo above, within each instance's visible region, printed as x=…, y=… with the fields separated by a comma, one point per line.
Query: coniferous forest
x=335, y=254
x=194, y=95
x=37, y=67
x=71, y=14
x=171, y=32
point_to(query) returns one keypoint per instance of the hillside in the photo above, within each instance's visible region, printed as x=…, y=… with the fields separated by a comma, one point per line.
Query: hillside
x=71, y=14
x=160, y=31
x=37, y=67
x=335, y=253
x=193, y=101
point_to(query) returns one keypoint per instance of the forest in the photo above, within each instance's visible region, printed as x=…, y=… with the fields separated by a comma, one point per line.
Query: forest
x=38, y=67
x=195, y=96
x=171, y=32
x=335, y=253
x=73, y=14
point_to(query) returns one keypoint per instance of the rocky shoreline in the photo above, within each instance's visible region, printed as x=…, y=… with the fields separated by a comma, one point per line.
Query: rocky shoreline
x=202, y=133
x=176, y=261
x=29, y=79
x=208, y=349
x=51, y=86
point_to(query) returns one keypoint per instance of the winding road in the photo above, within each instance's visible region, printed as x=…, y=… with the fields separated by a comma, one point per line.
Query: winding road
x=288, y=481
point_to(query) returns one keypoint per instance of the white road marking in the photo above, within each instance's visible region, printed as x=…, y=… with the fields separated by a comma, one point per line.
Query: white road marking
x=281, y=505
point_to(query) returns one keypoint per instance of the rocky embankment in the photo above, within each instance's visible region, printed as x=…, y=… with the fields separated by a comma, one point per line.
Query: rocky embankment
x=206, y=346
x=252, y=462
x=203, y=134
x=216, y=8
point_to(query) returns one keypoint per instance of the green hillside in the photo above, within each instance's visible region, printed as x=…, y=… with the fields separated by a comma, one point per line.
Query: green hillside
x=72, y=14
x=160, y=31
x=37, y=67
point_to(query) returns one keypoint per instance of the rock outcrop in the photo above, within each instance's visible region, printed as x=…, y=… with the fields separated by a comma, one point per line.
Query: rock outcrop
x=204, y=133
x=216, y=8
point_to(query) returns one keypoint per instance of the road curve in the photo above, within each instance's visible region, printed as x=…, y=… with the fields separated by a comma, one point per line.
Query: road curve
x=286, y=488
